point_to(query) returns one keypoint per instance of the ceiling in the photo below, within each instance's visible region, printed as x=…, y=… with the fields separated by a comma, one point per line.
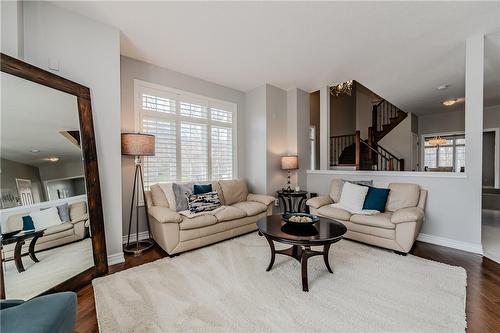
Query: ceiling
x=35, y=122
x=400, y=50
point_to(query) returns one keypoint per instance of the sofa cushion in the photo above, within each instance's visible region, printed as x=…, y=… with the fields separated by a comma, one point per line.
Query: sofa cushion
x=382, y=220
x=369, y=230
x=45, y=218
x=58, y=228
x=203, y=202
x=202, y=188
x=158, y=195
x=230, y=213
x=77, y=209
x=181, y=193
x=402, y=195
x=233, y=191
x=376, y=199
x=14, y=222
x=336, y=189
x=251, y=207
x=353, y=196
x=197, y=222
x=334, y=213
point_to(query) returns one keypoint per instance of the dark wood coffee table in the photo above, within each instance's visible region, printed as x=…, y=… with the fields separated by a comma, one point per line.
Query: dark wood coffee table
x=20, y=239
x=301, y=237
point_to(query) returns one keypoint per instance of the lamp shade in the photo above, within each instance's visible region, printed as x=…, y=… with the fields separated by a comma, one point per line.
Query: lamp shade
x=138, y=144
x=290, y=162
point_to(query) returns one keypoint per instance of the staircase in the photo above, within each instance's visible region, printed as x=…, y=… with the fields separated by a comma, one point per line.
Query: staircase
x=350, y=150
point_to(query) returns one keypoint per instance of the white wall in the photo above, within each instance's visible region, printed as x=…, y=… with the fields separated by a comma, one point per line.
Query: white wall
x=399, y=141
x=134, y=69
x=61, y=170
x=88, y=52
x=255, y=142
x=455, y=121
x=364, y=107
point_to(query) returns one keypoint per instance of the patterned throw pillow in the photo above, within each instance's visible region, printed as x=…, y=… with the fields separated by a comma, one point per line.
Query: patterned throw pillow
x=203, y=202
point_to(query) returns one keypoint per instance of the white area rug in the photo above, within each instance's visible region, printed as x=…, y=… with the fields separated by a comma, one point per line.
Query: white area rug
x=225, y=288
x=56, y=265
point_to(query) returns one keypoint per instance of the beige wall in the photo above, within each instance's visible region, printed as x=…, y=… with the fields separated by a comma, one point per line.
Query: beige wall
x=134, y=69
x=11, y=170
x=364, y=107
x=343, y=115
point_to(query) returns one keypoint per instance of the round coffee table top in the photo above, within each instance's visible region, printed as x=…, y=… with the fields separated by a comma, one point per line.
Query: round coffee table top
x=323, y=232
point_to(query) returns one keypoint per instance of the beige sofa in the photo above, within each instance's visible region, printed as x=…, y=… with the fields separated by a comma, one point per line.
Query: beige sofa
x=395, y=229
x=176, y=233
x=57, y=235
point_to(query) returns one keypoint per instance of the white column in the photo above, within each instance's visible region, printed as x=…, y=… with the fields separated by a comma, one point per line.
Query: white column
x=324, y=128
x=474, y=74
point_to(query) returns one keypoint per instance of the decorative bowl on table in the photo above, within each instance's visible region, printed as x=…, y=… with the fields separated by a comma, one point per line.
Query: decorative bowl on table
x=299, y=218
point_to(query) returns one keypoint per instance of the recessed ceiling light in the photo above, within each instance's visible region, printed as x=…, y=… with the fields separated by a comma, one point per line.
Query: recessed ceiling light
x=453, y=101
x=449, y=102
x=443, y=86
x=35, y=150
x=52, y=159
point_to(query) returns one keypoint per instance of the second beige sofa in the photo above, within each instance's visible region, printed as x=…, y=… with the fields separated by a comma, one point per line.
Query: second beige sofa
x=395, y=229
x=176, y=233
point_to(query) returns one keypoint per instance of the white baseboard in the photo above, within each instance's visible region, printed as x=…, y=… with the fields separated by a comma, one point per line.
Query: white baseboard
x=142, y=235
x=447, y=242
x=116, y=258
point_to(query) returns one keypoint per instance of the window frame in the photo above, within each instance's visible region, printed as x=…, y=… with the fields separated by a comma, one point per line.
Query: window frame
x=141, y=87
x=445, y=135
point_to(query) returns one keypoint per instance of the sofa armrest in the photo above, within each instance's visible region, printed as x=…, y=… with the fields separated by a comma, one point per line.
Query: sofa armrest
x=264, y=199
x=321, y=201
x=83, y=217
x=164, y=214
x=410, y=214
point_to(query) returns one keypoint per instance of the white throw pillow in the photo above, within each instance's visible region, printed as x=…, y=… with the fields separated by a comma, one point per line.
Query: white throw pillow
x=353, y=197
x=45, y=218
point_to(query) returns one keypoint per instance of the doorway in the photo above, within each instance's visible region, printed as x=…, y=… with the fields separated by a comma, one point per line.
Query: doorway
x=491, y=194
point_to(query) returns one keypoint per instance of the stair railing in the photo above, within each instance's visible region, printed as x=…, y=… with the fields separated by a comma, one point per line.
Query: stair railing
x=337, y=145
x=382, y=114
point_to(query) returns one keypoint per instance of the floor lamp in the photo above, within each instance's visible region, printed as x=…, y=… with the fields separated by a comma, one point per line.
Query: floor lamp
x=138, y=145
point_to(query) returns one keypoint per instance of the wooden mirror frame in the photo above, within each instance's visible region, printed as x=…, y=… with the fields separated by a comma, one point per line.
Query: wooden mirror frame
x=29, y=72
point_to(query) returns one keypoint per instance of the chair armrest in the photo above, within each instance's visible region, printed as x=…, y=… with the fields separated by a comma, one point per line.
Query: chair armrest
x=164, y=214
x=410, y=214
x=8, y=303
x=264, y=199
x=321, y=201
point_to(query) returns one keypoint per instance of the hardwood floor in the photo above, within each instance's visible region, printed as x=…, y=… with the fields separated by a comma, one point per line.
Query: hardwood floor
x=483, y=286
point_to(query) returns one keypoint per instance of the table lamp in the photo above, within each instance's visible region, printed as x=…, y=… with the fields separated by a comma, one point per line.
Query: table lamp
x=289, y=162
x=138, y=145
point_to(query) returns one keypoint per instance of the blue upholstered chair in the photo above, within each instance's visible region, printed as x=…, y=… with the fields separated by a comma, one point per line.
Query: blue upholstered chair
x=54, y=313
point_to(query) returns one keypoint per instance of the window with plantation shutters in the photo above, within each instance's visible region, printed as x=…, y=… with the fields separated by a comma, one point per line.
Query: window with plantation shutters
x=194, y=135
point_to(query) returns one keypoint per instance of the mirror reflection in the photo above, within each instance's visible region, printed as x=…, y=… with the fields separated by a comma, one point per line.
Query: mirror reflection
x=44, y=221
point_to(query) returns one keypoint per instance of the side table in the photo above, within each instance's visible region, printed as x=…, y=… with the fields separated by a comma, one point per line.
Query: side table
x=293, y=201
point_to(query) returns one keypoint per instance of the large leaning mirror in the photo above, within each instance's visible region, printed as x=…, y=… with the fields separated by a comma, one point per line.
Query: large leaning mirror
x=50, y=211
